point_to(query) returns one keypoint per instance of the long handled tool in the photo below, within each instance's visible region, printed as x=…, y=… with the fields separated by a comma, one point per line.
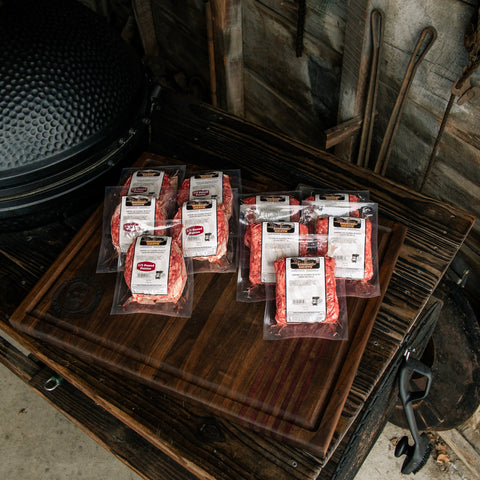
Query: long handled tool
x=461, y=87
x=377, y=28
x=425, y=41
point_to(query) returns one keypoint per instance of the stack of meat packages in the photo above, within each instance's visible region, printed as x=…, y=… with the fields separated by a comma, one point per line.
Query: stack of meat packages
x=162, y=233
x=314, y=254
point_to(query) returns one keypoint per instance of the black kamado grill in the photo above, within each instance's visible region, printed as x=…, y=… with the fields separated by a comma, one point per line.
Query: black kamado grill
x=72, y=105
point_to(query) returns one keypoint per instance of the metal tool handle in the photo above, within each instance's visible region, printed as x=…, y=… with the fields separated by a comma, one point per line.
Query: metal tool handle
x=418, y=453
x=377, y=29
x=425, y=41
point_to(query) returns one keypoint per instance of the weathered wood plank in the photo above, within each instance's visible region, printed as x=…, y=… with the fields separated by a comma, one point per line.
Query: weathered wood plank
x=308, y=83
x=181, y=37
x=353, y=83
x=324, y=20
x=341, y=132
x=228, y=51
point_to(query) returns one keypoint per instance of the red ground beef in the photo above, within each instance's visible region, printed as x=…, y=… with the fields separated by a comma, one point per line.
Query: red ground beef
x=160, y=217
x=169, y=186
x=331, y=292
x=250, y=218
x=177, y=278
x=256, y=250
x=227, y=204
x=322, y=225
x=222, y=235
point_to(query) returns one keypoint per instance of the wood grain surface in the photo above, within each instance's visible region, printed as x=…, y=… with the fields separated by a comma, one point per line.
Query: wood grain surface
x=293, y=389
x=196, y=133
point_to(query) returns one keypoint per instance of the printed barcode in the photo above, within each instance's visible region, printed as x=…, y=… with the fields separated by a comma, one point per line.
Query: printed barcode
x=298, y=301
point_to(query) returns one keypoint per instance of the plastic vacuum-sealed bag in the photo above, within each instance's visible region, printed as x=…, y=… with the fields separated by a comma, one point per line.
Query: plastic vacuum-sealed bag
x=352, y=241
x=309, y=300
x=156, y=278
x=263, y=242
x=207, y=235
x=124, y=218
x=216, y=184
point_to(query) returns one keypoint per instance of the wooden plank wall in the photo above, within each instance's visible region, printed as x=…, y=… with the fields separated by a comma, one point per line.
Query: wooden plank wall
x=296, y=95
x=260, y=77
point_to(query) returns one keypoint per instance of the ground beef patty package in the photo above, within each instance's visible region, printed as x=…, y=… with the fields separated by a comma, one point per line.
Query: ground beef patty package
x=124, y=218
x=153, y=179
x=156, y=279
x=309, y=300
x=216, y=184
x=332, y=202
x=263, y=242
x=207, y=235
x=352, y=241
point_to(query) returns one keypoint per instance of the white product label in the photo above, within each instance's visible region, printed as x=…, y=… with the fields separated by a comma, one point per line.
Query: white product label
x=331, y=203
x=137, y=215
x=346, y=243
x=199, y=232
x=272, y=207
x=146, y=182
x=207, y=185
x=151, y=264
x=305, y=294
x=279, y=239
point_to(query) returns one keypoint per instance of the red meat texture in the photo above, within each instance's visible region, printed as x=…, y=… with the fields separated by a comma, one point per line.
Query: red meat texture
x=167, y=192
x=160, y=218
x=351, y=198
x=177, y=278
x=226, y=205
x=330, y=286
x=256, y=251
x=322, y=229
x=250, y=216
x=222, y=235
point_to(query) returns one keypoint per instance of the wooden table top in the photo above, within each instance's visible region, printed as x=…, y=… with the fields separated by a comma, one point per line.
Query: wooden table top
x=199, y=134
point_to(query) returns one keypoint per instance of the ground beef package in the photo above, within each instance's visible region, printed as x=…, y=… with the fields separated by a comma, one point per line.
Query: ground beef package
x=216, y=184
x=153, y=179
x=202, y=229
x=267, y=205
x=124, y=218
x=332, y=202
x=352, y=241
x=156, y=279
x=263, y=242
x=309, y=301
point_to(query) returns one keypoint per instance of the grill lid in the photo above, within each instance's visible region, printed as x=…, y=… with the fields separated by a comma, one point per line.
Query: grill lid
x=69, y=86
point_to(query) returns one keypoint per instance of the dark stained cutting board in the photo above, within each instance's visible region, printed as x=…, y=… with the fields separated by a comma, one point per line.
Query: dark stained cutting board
x=292, y=389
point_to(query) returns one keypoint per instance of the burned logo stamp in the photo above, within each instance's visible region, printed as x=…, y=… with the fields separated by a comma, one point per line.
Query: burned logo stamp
x=76, y=297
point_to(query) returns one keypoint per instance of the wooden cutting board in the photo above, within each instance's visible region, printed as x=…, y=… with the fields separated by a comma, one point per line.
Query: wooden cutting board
x=292, y=389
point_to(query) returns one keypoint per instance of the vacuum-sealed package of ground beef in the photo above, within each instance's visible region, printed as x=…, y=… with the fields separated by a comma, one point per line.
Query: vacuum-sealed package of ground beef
x=263, y=242
x=124, y=218
x=154, y=179
x=215, y=184
x=267, y=204
x=332, y=202
x=207, y=235
x=352, y=241
x=309, y=301
x=156, y=278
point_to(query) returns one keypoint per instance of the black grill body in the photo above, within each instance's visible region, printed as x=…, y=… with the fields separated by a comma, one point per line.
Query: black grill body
x=72, y=103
